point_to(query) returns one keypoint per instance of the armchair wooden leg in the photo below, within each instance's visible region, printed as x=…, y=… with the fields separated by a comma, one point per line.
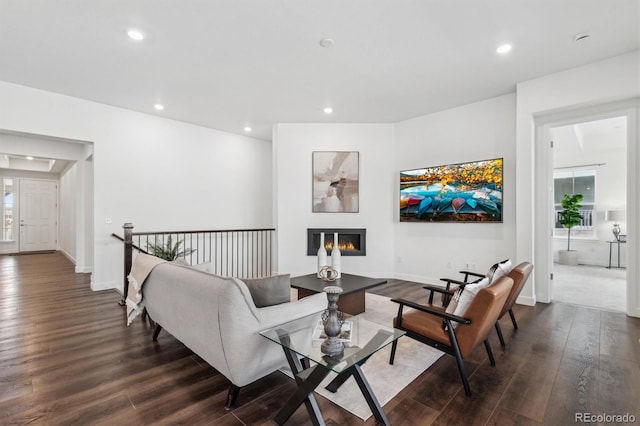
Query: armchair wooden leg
x=394, y=346
x=499, y=330
x=232, y=396
x=513, y=319
x=489, y=352
x=156, y=331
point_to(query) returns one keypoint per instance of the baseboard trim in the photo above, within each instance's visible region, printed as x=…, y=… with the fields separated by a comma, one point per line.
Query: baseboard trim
x=105, y=286
x=68, y=256
x=526, y=300
x=418, y=278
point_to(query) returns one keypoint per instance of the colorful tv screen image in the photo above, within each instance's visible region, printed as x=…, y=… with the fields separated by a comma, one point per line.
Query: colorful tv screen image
x=463, y=192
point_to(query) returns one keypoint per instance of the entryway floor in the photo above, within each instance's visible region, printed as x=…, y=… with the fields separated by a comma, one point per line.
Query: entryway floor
x=592, y=286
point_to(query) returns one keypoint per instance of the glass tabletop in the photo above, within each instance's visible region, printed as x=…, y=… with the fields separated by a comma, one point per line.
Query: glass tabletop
x=303, y=336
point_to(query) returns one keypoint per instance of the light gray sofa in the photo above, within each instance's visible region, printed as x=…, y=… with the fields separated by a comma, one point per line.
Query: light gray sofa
x=217, y=319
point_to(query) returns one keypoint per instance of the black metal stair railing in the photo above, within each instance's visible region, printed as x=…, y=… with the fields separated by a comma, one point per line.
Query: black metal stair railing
x=241, y=253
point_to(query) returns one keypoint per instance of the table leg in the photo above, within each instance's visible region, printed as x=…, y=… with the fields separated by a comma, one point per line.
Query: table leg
x=618, y=255
x=369, y=396
x=306, y=386
x=610, y=247
x=304, y=394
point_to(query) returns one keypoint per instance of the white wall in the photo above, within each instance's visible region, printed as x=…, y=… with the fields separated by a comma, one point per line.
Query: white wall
x=67, y=211
x=293, y=145
x=157, y=173
x=478, y=131
x=604, y=82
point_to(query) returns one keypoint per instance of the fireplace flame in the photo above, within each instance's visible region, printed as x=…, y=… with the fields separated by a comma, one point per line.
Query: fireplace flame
x=348, y=246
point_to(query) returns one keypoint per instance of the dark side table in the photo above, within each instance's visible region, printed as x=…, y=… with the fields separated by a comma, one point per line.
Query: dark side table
x=352, y=300
x=611, y=243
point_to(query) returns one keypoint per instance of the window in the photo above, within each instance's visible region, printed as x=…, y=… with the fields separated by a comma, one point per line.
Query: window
x=7, y=208
x=576, y=182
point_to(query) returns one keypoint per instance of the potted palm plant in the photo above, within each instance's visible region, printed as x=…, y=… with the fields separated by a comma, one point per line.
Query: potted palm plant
x=569, y=217
x=168, y=250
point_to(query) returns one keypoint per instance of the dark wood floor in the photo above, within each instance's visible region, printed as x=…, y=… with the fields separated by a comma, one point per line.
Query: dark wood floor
x=66, y=357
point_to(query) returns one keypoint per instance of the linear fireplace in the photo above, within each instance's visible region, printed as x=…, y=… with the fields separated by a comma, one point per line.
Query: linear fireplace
x=351, y=241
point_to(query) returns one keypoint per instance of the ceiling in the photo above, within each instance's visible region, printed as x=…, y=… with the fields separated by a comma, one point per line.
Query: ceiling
x=33, y=164
x=227, y=64
x=591, y=137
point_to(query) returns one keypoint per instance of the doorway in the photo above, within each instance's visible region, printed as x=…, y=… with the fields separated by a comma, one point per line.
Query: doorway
x=590, y=159
x=595, y=249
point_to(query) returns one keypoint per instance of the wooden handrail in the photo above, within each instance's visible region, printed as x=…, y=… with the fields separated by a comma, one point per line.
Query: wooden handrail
x=201, y=231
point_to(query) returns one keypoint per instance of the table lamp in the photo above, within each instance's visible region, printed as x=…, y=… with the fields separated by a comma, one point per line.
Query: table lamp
x=616, y=216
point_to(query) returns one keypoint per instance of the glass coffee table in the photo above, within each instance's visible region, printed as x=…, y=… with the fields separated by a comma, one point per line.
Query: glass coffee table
x=297, y=340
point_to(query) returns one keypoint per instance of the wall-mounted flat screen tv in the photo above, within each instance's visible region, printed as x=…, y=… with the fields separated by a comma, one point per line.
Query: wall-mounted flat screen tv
x=463, y=192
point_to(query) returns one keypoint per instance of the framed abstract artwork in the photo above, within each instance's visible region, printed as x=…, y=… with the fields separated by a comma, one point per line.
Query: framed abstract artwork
x=463, y=192
x=335, y=181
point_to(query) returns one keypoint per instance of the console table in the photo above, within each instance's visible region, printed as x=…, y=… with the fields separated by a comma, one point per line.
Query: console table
x=611, y=243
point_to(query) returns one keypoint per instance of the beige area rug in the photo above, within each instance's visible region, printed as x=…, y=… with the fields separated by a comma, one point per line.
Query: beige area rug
x=412, y=359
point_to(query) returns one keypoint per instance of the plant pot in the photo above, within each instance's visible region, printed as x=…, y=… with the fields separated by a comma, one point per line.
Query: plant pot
x=568, y=257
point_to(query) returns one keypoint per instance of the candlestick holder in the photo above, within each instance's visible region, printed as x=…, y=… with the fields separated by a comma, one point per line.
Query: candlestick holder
x=332, y=320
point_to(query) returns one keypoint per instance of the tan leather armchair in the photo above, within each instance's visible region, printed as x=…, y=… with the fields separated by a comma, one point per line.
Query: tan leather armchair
x=520, y=273
x=434, y=327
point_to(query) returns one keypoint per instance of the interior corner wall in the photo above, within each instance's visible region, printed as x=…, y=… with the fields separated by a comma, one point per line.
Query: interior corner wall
x=293, y=147
x=67, y=212
x=157, y=173
x=603, y=82
x=478, y=131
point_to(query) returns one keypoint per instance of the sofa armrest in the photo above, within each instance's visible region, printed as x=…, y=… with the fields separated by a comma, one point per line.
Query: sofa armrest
x=270, y=316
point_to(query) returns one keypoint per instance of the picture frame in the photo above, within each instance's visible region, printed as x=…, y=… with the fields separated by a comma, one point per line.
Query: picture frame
x=335, y=181
x=458, y=192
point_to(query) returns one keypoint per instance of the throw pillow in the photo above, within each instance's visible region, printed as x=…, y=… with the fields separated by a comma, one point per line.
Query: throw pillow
x=492, y=271
x=453, y=303
x=503, y=268
x=466, y=296
x=269, y=291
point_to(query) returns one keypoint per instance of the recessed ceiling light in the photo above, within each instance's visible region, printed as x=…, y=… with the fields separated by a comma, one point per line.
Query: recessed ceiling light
x=247, y=129
x=159, y=107
x=326, y=42
x=29, y=157
x=328, y=110
x=504, y=48
x=136, y=35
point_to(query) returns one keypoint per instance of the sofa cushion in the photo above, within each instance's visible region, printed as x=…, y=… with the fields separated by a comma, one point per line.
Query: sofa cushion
x=269, y=291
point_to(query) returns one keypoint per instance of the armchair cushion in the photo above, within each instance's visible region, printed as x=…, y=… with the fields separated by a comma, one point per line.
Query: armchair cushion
x=269, y=291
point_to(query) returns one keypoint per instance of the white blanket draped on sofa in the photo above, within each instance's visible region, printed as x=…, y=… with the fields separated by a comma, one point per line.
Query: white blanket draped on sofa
x=140, y=270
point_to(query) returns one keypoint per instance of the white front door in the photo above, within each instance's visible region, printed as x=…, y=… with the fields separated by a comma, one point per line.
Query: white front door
x=38, y=215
